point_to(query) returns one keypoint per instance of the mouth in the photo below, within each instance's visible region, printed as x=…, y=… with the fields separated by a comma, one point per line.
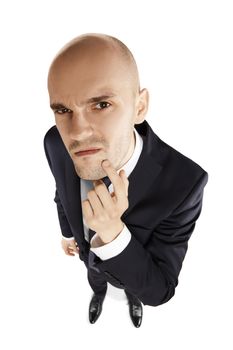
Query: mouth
x=87, y=152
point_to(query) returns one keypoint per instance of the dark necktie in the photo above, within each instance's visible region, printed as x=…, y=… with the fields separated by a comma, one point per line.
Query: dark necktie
x=91, y=257
x=107, y=182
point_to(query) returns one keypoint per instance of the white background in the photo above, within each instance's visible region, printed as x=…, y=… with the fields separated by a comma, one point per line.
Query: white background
x=184, y=55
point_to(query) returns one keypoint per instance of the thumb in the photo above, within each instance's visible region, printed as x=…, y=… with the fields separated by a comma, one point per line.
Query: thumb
x=75, y=246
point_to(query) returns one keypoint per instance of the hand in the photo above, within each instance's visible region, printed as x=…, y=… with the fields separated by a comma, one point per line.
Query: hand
x=69, y=246
x=102, y=210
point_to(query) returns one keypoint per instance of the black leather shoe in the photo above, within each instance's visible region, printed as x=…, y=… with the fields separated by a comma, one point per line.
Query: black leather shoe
x=95, y=308
x=135, y=309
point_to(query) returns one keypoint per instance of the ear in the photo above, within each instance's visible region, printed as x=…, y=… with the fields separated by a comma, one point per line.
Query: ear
x=142, y=106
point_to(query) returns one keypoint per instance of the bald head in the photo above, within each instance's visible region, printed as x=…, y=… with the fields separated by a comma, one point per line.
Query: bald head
x=94, y=92
x=88, y=51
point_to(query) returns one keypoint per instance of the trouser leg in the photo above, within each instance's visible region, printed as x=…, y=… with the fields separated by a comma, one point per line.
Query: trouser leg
x=96, y=280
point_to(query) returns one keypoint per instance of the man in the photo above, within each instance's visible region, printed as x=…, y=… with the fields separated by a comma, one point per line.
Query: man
x=130, y=220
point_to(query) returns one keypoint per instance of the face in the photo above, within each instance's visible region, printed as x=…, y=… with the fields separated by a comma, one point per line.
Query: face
x=94, y=107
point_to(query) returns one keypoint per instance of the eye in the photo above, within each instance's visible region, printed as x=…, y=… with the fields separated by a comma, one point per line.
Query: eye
x=62, y=111
x=103, y=105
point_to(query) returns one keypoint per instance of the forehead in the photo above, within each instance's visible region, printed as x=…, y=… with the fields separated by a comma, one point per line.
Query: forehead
x=87, y=73
x=84, y=90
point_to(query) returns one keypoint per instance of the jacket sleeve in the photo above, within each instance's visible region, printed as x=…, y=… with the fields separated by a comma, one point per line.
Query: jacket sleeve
x=151, y=272
x=64, y=224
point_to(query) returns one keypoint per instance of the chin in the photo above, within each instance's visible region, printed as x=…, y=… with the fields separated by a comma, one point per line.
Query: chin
x=88, y=176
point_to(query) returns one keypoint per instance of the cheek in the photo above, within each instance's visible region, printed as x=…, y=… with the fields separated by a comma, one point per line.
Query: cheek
x=63, y=133
x=117, y=125
x=61, y=126
x=117, y=119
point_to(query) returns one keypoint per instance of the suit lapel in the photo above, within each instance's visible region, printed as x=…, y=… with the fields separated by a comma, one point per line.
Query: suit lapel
x=141, y=178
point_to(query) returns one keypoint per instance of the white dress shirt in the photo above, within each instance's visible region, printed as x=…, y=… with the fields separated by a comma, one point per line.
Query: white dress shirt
x=116, y=246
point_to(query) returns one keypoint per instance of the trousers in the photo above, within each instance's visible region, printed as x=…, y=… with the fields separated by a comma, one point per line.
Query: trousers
x=96, y=278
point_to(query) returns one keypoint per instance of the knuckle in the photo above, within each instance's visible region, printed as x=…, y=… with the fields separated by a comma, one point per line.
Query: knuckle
x=99, y=183
x=99, y=187
x=91, y=192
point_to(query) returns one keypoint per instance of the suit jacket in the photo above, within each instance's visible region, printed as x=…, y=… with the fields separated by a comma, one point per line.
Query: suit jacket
x=165, y=199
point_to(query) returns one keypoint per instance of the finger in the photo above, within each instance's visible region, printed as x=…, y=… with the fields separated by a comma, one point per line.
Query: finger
x=104, y=195
x=96, y=199
x=73, y=248
x=87, y=209
x=70, y=252
x=76, y=248
x=74, y=244
x=125, y=180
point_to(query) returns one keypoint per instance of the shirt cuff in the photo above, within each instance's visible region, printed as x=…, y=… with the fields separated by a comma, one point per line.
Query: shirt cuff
x=68, y=238
x=112, y=248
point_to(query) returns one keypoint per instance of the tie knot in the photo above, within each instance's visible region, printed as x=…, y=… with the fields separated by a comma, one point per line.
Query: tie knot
x=106, y=180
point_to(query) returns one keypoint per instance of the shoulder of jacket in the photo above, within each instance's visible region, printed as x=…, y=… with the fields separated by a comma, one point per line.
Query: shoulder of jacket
x=51, y=134
x=182, y=162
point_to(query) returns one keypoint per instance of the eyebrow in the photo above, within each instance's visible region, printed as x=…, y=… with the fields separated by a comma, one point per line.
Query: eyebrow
x=57, y=105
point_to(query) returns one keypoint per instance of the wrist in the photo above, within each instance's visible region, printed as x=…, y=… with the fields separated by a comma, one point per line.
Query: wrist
x=111, y=235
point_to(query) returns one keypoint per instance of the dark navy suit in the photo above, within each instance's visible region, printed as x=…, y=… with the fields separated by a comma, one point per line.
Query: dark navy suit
x=165, y=200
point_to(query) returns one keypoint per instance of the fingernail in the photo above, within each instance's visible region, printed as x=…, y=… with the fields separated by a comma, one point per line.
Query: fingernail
x=106, y=163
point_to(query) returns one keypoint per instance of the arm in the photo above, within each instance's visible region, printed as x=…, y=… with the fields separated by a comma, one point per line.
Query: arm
x=115, y=247
x=65, y=227
x=64, y=224
x=151, y=272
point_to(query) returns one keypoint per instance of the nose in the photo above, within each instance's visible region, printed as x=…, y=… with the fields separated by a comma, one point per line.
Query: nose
x=80, y=127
